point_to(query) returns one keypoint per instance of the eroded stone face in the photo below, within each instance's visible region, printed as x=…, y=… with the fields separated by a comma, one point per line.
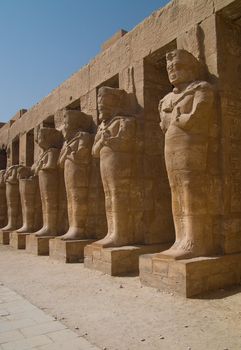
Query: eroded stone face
x=50, y=141
x=186, y=117
x=114, y=145
x=75, y=158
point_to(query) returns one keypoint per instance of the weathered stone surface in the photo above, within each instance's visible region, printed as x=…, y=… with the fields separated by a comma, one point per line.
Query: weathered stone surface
x=30, y=201
x=50, y=141
x=115, y=146
x=187, y=118
x=190, y=277
x=4, y=237
x=17, y=240
x=75, y=159
x=37, y=245
x=13, y=198
x=70, y=251
x=3, y=201
x=119, y=260
x=201, y=144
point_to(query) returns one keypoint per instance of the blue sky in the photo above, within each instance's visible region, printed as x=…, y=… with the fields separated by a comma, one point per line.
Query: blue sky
x=43, y=42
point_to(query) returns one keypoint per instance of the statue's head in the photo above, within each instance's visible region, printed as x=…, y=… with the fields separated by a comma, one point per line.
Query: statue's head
x=49, y=138
x=75, y=121
x=24, y=172
x=11, y=174
x=109, y=102
x=182, y=67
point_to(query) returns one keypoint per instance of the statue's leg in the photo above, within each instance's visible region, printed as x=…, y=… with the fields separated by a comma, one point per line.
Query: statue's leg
x=13, y=204
x=118, y=216
x=3, y=206
x=78, y=202
x=27, y=193
x=49, y=196
x=116, y=178
x=198, y=238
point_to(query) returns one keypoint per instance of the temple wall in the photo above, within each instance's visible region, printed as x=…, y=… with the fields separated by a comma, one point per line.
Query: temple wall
x=229, y=86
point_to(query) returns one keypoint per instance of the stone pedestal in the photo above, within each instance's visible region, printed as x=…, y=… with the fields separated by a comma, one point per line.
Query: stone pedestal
x=17, y=240
x=4, y=237
x=37, y=245
x=71, y=251
x=192, y=276
x=117, y=261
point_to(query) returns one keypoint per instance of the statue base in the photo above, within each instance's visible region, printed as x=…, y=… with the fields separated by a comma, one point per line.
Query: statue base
x=190, y=277
x=18, y=240
x=4, y=237
x=71, y=251
x=37, y=245
x=117, y=261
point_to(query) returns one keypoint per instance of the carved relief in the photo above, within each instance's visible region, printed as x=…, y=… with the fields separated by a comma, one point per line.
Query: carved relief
x=50, y=141
x=186, y=116
x=75, y=159
x=114, y=144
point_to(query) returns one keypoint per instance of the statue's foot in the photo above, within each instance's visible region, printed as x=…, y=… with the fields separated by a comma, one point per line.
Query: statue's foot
x=176, y=254
x=8, y=228
x=45, y=232
x=73, y=234
x=111, y=241
x=25, y=229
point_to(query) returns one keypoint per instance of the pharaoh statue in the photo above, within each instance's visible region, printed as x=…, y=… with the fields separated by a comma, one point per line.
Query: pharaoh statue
x=3, y=201
x=75, y=158
x=13, y=198
x=114, y=144
x=186, y=118
x=50, y=141
x=30, y=200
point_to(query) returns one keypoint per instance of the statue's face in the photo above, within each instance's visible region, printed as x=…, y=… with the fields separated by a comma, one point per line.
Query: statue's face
x=41, y=139
x=67, y=126
x=106, y=106
x=178, y=72
x=70, y=126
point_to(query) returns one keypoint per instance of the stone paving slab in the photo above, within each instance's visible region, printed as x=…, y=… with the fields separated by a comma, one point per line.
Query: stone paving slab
x=23, y=326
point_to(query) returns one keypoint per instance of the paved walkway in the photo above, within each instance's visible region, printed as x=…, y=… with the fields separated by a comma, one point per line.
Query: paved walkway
x=24, y=326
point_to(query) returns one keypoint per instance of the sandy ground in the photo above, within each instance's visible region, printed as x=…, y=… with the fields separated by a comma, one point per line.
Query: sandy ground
x=116, y=313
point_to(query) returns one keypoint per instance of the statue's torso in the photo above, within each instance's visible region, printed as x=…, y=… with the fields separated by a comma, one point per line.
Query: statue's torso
x=185, y=148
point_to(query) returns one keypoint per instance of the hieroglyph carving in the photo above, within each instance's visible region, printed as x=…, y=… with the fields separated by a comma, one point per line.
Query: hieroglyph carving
x=114, y=144
x=186, y=119
x=75, y=158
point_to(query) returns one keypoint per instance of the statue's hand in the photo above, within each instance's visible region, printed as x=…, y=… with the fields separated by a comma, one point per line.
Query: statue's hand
x=178, y=114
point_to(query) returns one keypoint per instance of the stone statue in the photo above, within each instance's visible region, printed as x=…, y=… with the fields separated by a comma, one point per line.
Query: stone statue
x=13, y=198
x=75, y=158
x=187, y=116
x=50, y=141
x=114, y=144
x=30, y=200
x=3, y=201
